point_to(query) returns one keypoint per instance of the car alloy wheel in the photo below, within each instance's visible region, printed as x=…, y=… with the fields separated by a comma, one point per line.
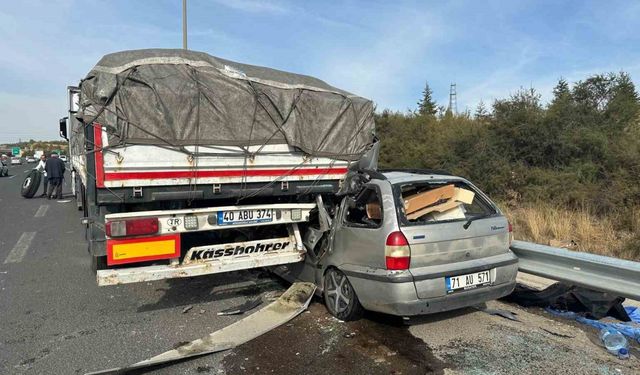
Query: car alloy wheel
x=339, y=296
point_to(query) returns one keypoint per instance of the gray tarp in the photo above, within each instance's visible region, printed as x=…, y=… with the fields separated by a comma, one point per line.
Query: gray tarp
x=179, y=97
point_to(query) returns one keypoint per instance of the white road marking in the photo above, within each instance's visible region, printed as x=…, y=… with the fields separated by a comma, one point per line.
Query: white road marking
x=27, y=171
x=42, y=210
x=20, y=249
x=12, y=176
x=64, y=201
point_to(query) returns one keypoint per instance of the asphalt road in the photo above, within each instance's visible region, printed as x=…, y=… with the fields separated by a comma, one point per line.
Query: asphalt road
x=54, y=319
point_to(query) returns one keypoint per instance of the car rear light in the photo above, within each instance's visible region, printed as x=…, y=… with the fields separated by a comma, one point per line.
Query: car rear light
x=132, y=227
x=397, y=252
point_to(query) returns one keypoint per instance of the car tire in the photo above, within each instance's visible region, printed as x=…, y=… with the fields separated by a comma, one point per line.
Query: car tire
x=31, y=184
x=339, y=296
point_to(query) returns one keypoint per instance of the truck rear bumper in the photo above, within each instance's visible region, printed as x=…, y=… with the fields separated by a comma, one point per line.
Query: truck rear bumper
x=171, y=271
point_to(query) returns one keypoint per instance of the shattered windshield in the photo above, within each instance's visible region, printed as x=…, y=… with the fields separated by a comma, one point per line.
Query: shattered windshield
x=440, y=201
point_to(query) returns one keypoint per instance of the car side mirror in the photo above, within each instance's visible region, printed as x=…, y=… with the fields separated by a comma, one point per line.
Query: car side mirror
x=63, y=128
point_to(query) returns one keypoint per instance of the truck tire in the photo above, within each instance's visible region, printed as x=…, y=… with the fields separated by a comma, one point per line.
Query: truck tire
x=31, y=184
x=80, y=197
x=98, y=263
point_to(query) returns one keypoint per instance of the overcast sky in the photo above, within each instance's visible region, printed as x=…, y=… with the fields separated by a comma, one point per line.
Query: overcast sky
x=383, y=50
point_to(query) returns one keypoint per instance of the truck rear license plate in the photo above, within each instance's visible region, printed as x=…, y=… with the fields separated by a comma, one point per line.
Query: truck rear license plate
x=469, y=281
x=245, y=216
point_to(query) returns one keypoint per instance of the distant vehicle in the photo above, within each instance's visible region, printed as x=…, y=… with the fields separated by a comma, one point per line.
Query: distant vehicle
x=16, y=160
x=31, y=159
x=63, y=158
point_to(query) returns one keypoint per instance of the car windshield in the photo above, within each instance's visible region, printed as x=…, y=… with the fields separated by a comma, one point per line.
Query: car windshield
x=440, y=201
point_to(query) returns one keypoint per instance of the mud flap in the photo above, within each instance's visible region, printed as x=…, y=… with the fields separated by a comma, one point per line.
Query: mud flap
x=293, y=302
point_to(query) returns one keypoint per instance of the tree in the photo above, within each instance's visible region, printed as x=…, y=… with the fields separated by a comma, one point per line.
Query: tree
x=623, y=107
x=481, y=114
x=427, y=106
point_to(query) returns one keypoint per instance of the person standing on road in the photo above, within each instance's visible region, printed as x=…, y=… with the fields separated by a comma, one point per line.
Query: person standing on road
x=54, y=167
x=41, y=168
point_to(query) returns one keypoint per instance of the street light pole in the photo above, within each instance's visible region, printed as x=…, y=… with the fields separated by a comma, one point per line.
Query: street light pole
x=184, y=24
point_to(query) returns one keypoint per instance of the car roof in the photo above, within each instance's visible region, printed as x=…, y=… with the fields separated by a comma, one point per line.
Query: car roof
x=396, y=177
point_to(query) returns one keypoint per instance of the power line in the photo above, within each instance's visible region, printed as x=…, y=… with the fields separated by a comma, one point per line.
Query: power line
x=453, y=99
x=184, y=24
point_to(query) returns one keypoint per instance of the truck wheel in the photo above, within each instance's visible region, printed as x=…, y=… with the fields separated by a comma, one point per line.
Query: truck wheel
x=98, y=263
x=80, y=197
x=31, y=184
x=339, y=296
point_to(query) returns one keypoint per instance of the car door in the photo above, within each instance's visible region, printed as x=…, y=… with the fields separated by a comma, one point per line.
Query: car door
x=359, y=236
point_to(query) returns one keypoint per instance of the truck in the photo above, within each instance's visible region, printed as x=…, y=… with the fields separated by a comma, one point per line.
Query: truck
x=185, y=164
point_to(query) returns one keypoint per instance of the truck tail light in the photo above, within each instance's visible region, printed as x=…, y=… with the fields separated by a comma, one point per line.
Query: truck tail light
x=397, y=252
x=131, y=227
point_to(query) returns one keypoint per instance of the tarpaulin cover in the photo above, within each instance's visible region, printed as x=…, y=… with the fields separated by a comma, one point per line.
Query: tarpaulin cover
x=565, y=297
x=631, y=329
x=180, y=97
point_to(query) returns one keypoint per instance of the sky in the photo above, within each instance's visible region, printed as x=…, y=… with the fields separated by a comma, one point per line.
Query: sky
x=382, y=50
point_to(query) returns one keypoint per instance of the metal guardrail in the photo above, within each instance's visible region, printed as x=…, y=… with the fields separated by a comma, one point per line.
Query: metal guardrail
x=597, y=272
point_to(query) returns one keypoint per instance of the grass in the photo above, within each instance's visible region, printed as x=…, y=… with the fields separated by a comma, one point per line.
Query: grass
x=579, y=230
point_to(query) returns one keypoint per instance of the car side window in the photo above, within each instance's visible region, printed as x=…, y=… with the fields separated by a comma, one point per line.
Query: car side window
x=366, y=210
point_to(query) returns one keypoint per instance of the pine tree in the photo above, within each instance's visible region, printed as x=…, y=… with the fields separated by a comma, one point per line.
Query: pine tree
x=427, y=106
x=561, y=109
x=481, y=112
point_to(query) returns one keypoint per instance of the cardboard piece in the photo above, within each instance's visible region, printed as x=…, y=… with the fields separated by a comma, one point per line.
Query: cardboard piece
x=455, y=213
x=460, y=196
x=419, y=201
x=374, y=211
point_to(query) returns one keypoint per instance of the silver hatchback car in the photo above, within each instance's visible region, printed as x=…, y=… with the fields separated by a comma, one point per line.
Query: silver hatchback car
x=410, y=244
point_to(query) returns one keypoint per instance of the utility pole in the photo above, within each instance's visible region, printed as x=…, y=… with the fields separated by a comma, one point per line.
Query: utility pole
x=453, y=99
x=184, y=24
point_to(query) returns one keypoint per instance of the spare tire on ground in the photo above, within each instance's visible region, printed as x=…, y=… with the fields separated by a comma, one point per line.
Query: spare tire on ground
x=31, y=184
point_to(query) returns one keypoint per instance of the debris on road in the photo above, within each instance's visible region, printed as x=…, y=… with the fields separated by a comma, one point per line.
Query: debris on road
x=293, y=302
x=565, y=297
x=499, y=312
x=382, y=345
x=186, y=309
x=558, y=334
x=631, y=329
x=243, y=308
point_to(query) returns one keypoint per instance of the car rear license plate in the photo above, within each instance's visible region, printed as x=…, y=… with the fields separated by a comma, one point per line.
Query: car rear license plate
x=468, y=281
x=245, y=216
